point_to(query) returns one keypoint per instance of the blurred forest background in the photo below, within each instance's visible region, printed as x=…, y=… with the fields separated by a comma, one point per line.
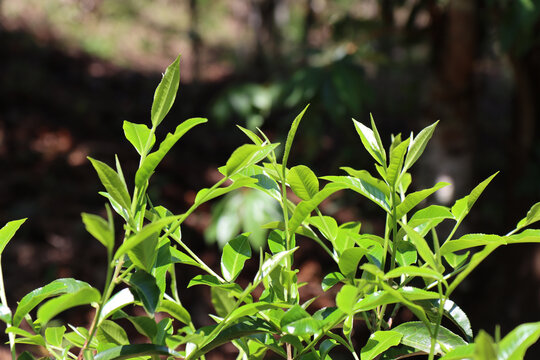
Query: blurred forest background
x=72, y=70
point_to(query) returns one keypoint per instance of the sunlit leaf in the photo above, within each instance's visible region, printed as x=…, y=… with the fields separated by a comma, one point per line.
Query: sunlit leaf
x=175, y=310
x=370, y=142
x=8, y=231
x=346, y=298
x=54, y=335
x=234, y=255
x=514, y=345
x=349, y=260
x=378, y=342
x=331, y=279
x=140, y=136
x=150, y=163
x=413, y=199
x=117, y=301
x=134, y=351
x=421, y=246
x=207, y=194
x=417, y=146
x=451, y=311
x=166, y=92
x=297, y=321
x=100, y=229
x=533, y=215
x=417, y=335
x=112, y=333
x=53, y=307
x=413, y=271
x=290, y=137
x=247, y=155
x=303, y=182
x=369, y=189
x=396, y=162
x=471, y=240
x=462, y=206
x=112, y=182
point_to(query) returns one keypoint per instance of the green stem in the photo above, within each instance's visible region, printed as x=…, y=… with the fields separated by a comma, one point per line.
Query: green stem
x=5, y=303
x=394, y=230
x=438, y=324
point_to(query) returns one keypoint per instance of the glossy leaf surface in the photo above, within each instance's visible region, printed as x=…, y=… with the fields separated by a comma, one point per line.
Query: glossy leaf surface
x=8, y=231
x=166, y=92
x=235, y=254
x=378, y=342
x=53, y=307
x=140, y=136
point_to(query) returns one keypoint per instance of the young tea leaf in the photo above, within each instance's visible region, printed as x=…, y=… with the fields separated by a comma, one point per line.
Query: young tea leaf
x=166, y=92
x=462, y=206
x=415, y=198
x=303, y=182
x=53, y=307
x=135, y=351
x=533, y=215
x=378, y=342
x=290, y=138
x=396, y=163
x=235, y=254
x=54, y=335
x=370, y=142
x=247, y=155
x=417, y=146
x=417, y=335
x=113, y=183
x=100, y=229
x=514, y=345
x=8, y=231
x=140, y=136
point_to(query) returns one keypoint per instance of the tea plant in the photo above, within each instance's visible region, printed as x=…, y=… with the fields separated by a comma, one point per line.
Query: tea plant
x=411, y=265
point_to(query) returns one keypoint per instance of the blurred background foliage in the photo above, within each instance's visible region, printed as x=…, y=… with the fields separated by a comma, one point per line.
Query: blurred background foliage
x=73, y=70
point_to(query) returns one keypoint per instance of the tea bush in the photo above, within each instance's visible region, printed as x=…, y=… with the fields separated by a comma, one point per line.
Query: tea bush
x=411, y=265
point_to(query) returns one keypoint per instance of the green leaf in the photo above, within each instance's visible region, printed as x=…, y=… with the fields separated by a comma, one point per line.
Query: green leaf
x=290, y=138
x=346, y=298
x=533, y=215
x=427, y=218
x=145, y=326
x=113, y=183
x=251, y=135
x=245, y=156
x=140, y=136
x=451, y=311
x=297, y=321
x=150, y=163
x=166, y=92
x=54, y=335
x=462, y=206
x=327, y=226
x=527, y=236
x=270, y=264
x=413, y=271
x=208, y=194
x=303, y=182
x=5, y=314
x=26, y=337
x=304, y=208
x=406, y=253
x=370, y=189
x=83, y=296
x=144, y=285
x=25, y=355
x=485, y=347
x=145, y=233
x=117, y=301
x=417, y=146
x=33, y=298
x=100, y=229
x=471, y=240
x=417, y=335
x=514, y=345
x=276, y=241
x=112, y=333
x=396, y=163
x=134, y=351
x=421, y=246
x=144, y=254
x=235, y=254
x=349, y=260
x=175, y=310
x=383, y=297
x=460, y=352
x=413, y=199
x=378, y=342
x=371, y=141
x=456, y=260
x=331, y=279
x=8, y=231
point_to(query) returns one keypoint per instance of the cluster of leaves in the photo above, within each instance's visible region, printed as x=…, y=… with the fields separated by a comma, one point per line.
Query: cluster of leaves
x=407, y=266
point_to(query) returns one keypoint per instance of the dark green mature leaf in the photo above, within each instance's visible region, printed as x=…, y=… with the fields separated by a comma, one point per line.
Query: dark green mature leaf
x=462, y=206
x=134, y=351
x=471, y=240
x=150, y=163
x=349, y=260
x=140, y=136
x=175, y=310
x=396, y=162
x=113, y=183
x=417, y=335
x=83, y=296
x=112, y=333
x=33, y=298
x=25, y=355
x=378, y=342
x=145, y=233
x=514, y=345
x=297, y=321
x=369, y=189
x=8, y=231
x=421, y=246
x=304, y=208
x=245, y=156
x=234, y=255
x=145, y=287
x=166, y=92
x=100, y=229
x=145, y=326
x=303, y=182
x=117, y=301
x=417, y=146
x=290, y=138
x=371, y=141
x=413, y=199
